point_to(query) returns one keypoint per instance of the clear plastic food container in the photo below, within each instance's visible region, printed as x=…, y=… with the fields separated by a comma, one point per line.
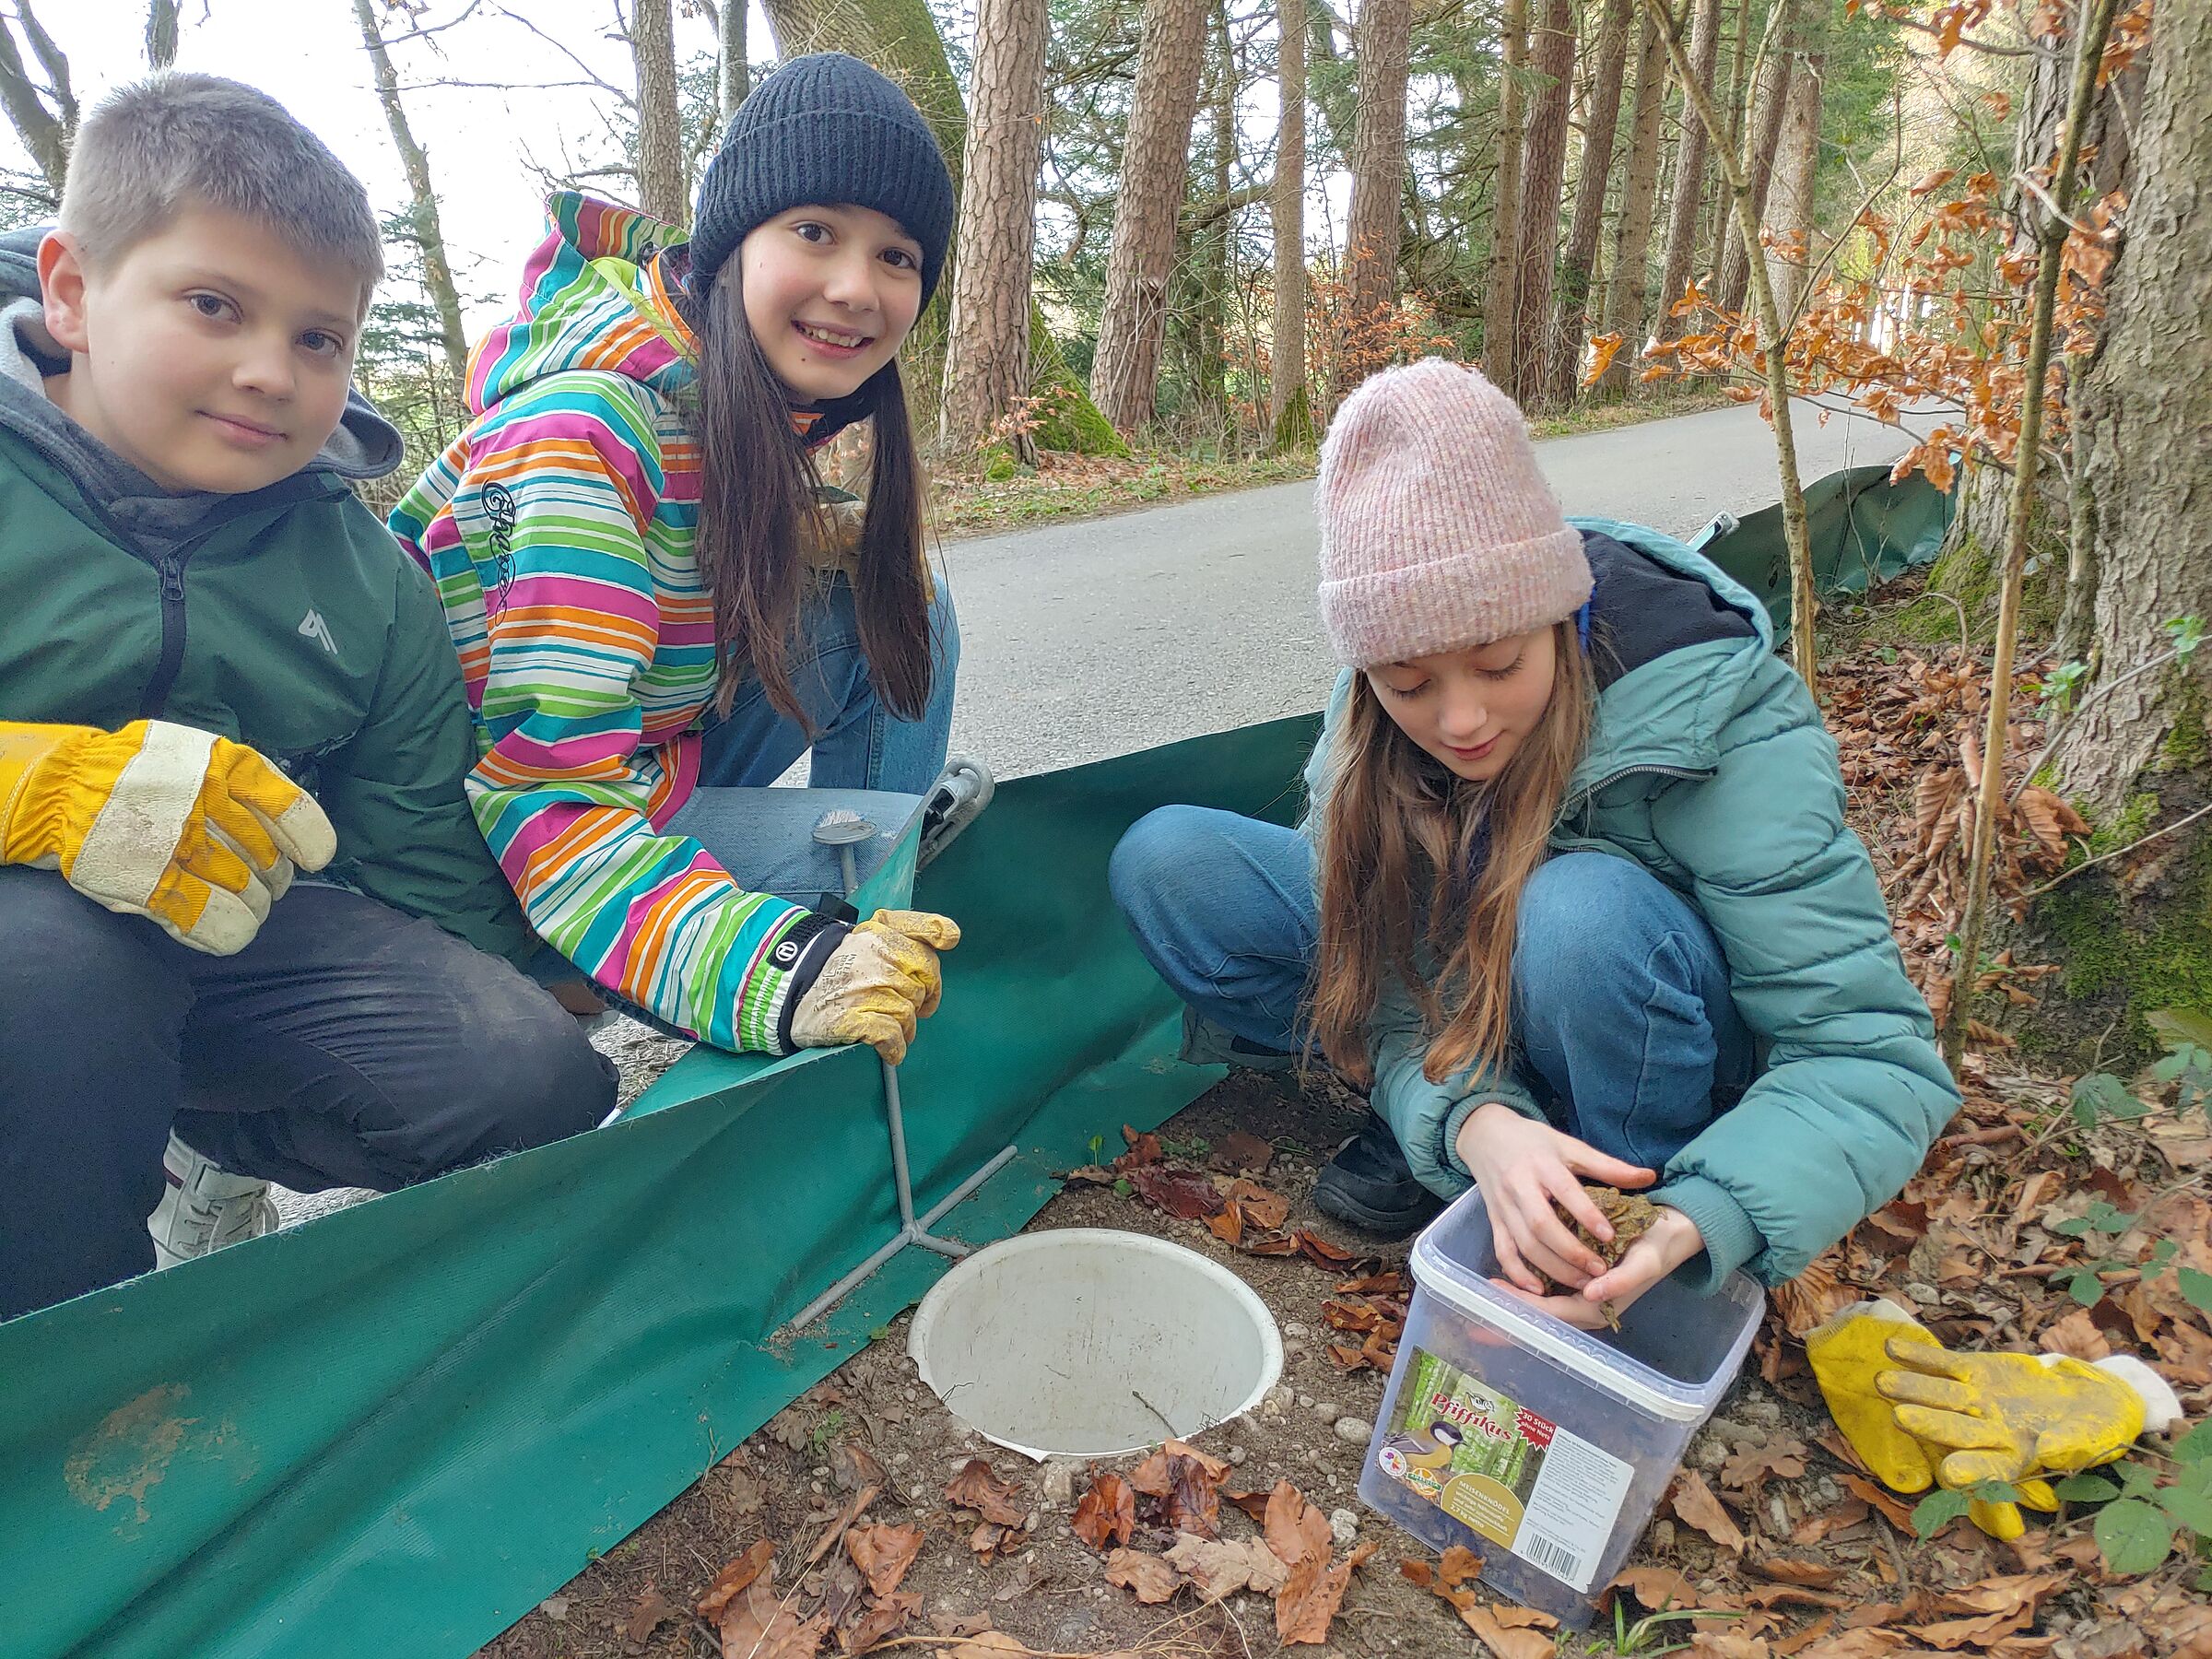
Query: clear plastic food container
x=1542, y=1448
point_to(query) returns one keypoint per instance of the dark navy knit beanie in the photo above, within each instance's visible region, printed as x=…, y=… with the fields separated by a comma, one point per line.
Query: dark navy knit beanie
x=823, y=128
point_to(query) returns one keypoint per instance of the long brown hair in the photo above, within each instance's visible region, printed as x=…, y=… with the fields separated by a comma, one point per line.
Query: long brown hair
x=1412, y=858
x=759, y=514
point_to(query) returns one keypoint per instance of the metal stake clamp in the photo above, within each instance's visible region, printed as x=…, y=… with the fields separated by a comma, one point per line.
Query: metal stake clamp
x=845, y=829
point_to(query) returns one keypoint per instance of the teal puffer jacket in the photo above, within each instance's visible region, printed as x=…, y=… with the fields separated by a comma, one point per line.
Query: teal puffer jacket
x=1708, y=765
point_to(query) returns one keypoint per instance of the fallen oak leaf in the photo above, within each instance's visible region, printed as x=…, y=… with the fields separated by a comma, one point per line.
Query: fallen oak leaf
x=1107, y=1513
x=1152, y=1578
x=1295, y=1530
x=732, y=1580
x=977, y=1487
x=1751, y=1467
x=1263, y=1208
x=1509, y=1640
x=652, y=1610
x=1664, y=1590
x=883, y=1553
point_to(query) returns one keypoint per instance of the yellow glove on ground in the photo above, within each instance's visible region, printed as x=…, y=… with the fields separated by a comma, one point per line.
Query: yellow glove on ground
x=881, y=980
x=1847, y=1354
x=2016, y=1416
x=195, y=832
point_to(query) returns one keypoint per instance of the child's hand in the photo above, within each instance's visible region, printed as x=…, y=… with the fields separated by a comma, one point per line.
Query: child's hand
x=1672, y=1240
x=1525, y=1168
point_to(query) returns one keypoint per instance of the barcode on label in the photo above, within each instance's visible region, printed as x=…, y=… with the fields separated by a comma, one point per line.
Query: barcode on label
x=1562, y=1560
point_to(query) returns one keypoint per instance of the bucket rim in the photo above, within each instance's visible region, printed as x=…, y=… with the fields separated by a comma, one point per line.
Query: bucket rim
x=933, y=1304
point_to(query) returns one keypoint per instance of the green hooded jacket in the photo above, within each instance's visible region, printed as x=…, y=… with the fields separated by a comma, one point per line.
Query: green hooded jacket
x=287, y=620
x=1708, y=765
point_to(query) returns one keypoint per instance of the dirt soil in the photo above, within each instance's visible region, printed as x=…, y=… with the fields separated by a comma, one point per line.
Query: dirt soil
x=789, y=1482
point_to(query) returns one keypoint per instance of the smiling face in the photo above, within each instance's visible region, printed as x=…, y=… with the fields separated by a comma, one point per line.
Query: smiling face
x=212, y=355
x=830, y=294
x=1472, y=710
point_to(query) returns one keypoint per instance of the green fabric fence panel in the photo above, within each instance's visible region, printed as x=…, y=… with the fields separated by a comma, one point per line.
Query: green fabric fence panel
x=1863, y=530
x=395, y=1429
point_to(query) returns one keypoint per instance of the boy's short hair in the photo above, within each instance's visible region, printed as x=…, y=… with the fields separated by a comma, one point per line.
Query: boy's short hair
x=152, y=149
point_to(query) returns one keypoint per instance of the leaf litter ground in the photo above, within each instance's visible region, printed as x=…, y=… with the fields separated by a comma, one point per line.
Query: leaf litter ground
x=865, y=1518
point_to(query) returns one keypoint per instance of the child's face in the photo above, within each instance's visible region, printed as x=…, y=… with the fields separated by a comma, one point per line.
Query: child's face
x=212, y=355
x=829, y=293
x=1473, y=708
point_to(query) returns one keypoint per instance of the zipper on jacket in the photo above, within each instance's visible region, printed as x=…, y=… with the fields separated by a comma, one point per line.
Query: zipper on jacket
x=172, y=568
x=1579, y=806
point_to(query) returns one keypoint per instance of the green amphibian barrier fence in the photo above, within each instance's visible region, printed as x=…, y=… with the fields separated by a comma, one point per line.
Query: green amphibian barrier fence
x=395, y=1429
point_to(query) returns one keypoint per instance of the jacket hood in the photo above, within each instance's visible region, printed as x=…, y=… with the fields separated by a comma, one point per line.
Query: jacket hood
x=365, y=446
x=593, y=296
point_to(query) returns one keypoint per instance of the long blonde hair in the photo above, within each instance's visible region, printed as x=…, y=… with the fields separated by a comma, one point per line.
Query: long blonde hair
x=1411, y=856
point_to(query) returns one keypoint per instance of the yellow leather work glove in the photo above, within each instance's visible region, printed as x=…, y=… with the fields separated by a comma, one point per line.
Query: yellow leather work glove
x=1850, y=1354
x=195, y=832
x=2017, y=1416
x=879, y=982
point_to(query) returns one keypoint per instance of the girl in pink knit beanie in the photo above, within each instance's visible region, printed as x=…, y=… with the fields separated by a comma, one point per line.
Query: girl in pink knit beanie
x=1574, y=898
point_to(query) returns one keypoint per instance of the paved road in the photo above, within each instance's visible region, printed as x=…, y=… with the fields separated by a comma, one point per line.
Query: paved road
x=1087, y=640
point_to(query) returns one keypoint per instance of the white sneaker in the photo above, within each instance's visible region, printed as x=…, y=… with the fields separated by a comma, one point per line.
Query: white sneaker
x=206, y=1207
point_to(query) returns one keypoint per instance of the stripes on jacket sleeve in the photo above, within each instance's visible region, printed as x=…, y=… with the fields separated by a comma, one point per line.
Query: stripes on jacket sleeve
x=541, y=559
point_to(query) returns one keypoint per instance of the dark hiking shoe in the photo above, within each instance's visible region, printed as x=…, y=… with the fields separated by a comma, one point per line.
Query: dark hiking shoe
x=1370, y=1184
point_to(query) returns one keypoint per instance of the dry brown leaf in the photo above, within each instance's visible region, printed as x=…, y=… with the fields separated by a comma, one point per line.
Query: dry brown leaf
x=2007, y=1594
x=652, y=1611
x=883, y=1553
x=1107, y=1513
x=1184, y=1193
x=883, y=1619
x=1152, y=1578
x=1783, y=1570
x=988, y=1644
x=757, y=1625
x=1728, y=1645
x=1855, y=1644
x=1693, y=1501
x=852, y=1465
x=1313, y=1589
x=1898, y=1513
x=1503, y=1640
x=1450, y=1579
x=733, y=1579
x=1751, y=1467
x=1241, y=1149
x=1661, y=1588
x=976, y=1487
x=2077, y=1336
x=1263, y=1208
x=1229, y=1226
x=1296, y=1530
x=1217, y=1569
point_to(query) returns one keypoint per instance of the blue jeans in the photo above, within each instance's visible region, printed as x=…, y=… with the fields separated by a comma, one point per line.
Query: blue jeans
x=864, y=757
x=1624, y=1027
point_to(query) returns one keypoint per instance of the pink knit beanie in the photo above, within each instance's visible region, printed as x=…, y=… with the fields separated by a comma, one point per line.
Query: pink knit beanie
x=1437, y=530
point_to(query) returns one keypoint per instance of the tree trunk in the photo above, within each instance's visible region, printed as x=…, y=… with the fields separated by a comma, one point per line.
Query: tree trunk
x=422, y=204
x=1627, y=293
x=1689, y=174
x=1499, y=356
x=661, y=189
x=1212, y=377
x=900, y=37
x=1602, y=122
x=1713, y=245
x=1542, y=169
x=736, y=76
x=1790, y=200
x=45, y=131
x=1288, y=409
x=987, y=366
x=1370, y=257
x=1776, y=78
x=161, y=26
x=2145, y=408
x=1155, y=162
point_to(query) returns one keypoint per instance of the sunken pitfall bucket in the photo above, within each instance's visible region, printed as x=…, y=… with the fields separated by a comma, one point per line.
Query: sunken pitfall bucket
x=1088, y=1342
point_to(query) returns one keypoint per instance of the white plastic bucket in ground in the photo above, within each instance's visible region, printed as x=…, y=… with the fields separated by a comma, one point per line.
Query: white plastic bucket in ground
x=1089, y=1342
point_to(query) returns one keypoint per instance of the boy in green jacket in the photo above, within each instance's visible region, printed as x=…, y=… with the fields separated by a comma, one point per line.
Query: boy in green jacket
x=218, y=672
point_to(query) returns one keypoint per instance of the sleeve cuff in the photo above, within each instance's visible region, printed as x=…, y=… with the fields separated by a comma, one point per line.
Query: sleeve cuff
x=796, y=958
x=1732, y=1240
x=1456, y=1119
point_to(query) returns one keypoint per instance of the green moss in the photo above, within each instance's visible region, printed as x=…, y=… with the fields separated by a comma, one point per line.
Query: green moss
x=2188, y=744
x=2140, y=972
x=2132, y=825
x=1000, y=463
